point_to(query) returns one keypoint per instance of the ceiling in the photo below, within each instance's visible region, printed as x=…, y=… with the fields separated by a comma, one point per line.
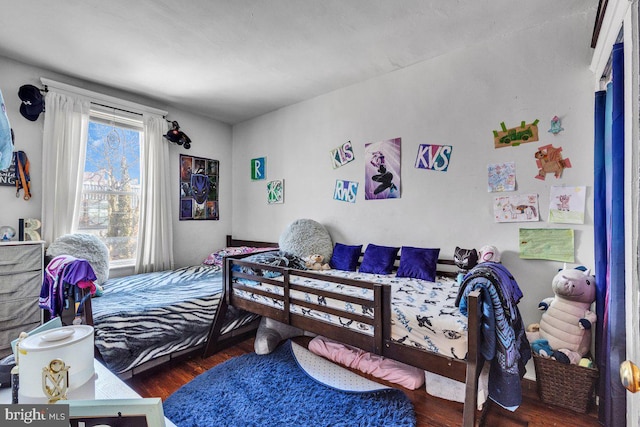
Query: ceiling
x=234, y=60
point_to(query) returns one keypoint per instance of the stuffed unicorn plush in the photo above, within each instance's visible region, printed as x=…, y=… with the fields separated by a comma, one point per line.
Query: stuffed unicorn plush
x=567, y=321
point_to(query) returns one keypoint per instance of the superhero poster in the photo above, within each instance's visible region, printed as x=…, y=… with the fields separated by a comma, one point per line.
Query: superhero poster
x=199, y=188
x=382, y=170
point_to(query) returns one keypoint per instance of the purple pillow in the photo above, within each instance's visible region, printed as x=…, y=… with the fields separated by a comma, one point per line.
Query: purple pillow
x=378, y=259
x=418, y=263
x=345, y=257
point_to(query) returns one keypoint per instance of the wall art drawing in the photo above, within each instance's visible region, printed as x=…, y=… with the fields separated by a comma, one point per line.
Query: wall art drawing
x=342, y=155
x=549, y=160
x=345, y=191
x=434, y=157
x=259, y=168
x=502, y=177
x=275, y=191
x=566, y=204
x=516, y=208
x=515, y=136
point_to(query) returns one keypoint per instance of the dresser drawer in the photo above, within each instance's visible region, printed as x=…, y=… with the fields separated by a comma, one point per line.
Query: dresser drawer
x=19, y=312
x=20, y=285
x=20, y=258
x=8, y=335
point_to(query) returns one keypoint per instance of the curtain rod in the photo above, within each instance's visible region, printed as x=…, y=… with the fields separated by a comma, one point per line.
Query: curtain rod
x=111, y=107
x=97, y=98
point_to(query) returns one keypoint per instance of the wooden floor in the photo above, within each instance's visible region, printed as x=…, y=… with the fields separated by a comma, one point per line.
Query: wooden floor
x=430, y=411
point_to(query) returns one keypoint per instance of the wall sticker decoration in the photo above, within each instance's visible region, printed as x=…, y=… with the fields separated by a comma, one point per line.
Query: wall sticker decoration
x=516, y=208
x=382, y=169
x=199, y=188
x=515, y=136
x=566, y=204
x=556, y=125
x=275, y=191
x=549, y=160
x=259, y=168
x=502, y=177
x=345, y=191
x=342, y=155
x=434, y=157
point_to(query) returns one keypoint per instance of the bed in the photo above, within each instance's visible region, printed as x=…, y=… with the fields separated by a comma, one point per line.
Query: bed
x=144, y=320
x=359, y=309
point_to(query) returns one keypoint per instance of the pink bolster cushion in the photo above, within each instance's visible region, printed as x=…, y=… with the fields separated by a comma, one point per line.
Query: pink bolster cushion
x=378, y=366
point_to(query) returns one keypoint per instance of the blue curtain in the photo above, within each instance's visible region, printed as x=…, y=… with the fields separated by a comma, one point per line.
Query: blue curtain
x=609, y=242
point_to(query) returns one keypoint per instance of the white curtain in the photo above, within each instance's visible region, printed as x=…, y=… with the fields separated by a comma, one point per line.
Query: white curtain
x=155, y=233
x=66, y=127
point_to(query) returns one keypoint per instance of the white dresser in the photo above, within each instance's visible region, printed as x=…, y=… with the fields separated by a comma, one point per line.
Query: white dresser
x=21, y=267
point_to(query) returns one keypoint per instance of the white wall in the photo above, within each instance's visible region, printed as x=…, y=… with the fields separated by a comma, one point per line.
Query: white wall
x=193, y=240
x=457, y=99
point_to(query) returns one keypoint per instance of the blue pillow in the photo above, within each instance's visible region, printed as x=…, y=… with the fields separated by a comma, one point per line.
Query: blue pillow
x=418, y=263
x=378, y=259
x=345, y=257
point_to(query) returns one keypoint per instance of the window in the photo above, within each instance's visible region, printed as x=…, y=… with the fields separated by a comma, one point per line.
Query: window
x=109, y=206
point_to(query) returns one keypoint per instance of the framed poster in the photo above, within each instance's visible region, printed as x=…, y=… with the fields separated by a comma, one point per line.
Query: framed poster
x=199, y=188
x=382, y=170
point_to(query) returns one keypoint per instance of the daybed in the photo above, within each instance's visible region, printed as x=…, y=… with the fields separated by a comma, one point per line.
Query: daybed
x=144, y=320
x=365, y=311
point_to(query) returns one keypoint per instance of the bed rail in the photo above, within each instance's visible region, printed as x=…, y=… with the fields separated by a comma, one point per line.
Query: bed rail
x=377, y=342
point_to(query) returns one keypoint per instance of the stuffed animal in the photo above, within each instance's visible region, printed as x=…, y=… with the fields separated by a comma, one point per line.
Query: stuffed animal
x=465, y=260
x=488, y=253
x=567, y=319
x=270, y=333
x=315, y=262
x=542, y=348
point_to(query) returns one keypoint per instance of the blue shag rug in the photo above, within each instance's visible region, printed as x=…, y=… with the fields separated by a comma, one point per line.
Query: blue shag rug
x=273, y=390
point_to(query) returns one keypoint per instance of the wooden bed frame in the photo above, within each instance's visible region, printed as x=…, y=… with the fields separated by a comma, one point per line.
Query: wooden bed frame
x=380, y=343
x=215, y=340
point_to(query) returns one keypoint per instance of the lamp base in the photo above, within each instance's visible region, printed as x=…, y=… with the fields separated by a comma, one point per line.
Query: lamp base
x=86, y=391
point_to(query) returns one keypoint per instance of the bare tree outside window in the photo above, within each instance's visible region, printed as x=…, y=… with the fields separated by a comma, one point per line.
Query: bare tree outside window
x=111, y=189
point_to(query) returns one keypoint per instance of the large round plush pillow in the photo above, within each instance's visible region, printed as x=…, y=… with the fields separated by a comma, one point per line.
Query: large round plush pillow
x=304, y=237
x=84, y=246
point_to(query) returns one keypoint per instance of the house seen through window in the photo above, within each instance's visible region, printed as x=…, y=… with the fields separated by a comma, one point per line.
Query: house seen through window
x=110, y=203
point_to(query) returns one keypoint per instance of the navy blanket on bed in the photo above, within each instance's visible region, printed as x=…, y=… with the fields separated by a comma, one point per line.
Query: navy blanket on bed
x=503, y=340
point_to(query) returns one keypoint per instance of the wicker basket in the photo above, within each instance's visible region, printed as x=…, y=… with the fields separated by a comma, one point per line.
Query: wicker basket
x=567, y=386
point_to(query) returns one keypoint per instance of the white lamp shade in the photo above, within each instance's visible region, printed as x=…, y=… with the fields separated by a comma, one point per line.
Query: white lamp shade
x=71, y=344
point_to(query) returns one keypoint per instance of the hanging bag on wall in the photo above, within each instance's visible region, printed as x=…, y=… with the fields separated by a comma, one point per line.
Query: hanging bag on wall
x=23, y=180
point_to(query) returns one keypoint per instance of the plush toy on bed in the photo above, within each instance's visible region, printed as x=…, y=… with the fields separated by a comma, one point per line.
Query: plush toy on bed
x=465, y=260
x=316, y=262
x=488, y=253
x=567, y=319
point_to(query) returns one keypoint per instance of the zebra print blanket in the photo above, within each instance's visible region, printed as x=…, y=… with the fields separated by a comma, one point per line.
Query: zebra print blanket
x=142, y=317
